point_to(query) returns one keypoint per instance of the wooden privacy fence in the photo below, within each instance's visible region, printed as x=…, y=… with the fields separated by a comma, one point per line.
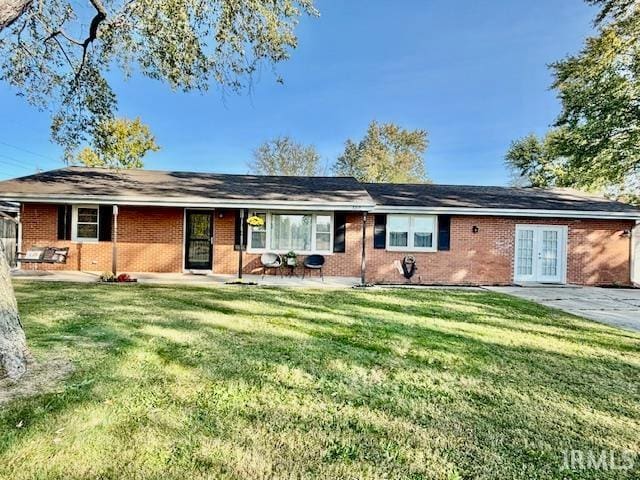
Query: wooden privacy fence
x=9, y=239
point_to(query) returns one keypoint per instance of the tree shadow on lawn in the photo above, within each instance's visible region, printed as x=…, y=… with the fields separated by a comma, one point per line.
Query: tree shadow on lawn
x=531, y=429
x=550, y=375
x=473, y=403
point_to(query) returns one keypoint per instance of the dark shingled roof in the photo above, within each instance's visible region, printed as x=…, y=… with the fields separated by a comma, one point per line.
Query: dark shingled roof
x=467, y=196
x=98, y=184
x=185, y=186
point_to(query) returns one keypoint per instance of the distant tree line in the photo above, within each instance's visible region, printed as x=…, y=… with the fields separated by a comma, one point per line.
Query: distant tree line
x=386, y=153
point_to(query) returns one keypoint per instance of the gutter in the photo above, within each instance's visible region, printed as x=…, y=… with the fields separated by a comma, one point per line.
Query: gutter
x=323, y=206
x=191, y=202
x=511, y=212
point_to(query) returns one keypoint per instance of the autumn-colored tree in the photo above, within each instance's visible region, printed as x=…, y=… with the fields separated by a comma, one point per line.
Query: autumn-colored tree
x=387, y=153
x=119, y=143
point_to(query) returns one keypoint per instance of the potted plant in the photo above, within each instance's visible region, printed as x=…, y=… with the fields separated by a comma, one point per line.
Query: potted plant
x=255, y=221
x=291, y=258
x=107, y=277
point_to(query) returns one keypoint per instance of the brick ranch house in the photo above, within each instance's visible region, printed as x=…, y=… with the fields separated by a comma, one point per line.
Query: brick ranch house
x=154, y=221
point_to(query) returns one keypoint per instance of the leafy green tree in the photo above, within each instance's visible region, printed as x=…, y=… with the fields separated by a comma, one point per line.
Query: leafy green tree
x=534, y=162
x=284, y=156
x=56, y=52
x=119, y=143
x=387, y=153
x=595, y=142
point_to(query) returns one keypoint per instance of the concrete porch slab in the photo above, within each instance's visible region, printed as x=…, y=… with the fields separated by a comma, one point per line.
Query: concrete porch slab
x=191, y=279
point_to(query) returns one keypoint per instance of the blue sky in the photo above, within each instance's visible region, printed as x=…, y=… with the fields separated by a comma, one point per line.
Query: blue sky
x=473, y=75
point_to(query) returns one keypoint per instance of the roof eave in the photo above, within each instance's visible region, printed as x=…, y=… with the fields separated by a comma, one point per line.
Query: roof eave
x=319, y=206
x=187, y=202
x=510, y=212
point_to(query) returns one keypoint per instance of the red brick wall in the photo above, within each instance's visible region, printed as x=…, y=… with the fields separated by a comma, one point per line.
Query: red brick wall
x=151, y=239
x=596, y=253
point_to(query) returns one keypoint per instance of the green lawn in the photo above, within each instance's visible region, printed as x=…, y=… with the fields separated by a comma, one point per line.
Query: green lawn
x=246, y=382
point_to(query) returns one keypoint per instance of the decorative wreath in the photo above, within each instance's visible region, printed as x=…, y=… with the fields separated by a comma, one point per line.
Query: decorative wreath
x=255, y=221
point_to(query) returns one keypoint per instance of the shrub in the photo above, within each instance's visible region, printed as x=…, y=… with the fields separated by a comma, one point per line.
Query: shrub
x=107, y=277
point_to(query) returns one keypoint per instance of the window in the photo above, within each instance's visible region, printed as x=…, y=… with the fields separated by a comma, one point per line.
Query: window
x=411, y=232
x=291, y=232
x=300, y=232
x=323, y=233
x=399, y=230
x=85, y=225
x=259, y=234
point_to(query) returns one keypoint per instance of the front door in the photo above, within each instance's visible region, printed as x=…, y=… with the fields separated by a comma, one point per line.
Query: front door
x=540, y=253
x=198, y=238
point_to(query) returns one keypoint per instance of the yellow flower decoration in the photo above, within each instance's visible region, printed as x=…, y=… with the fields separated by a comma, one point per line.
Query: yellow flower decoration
x=255, y=221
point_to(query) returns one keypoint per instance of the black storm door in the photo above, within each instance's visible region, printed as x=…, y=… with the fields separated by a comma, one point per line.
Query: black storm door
x=198, y=248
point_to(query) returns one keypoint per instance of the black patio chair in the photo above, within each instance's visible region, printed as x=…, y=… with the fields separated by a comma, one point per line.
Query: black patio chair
x=313, y=262
x=271, y=261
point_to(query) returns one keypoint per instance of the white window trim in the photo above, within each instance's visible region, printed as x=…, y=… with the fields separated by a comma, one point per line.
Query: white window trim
x=314, y=214
x=74, y=225
x=410, y=247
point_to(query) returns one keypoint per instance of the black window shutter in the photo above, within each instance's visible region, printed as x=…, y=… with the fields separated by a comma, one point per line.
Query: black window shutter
x=444, y=232
x=339, y=232
x=67, y=223
x=106, y=220
x=380, y=231
x=62, y=222
x=245, y=231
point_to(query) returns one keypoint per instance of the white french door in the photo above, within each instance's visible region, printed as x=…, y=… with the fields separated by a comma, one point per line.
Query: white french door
x=541, y=253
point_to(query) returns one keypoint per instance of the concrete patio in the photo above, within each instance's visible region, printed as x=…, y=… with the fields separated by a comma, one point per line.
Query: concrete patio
x=191, y=279
x=619, y=307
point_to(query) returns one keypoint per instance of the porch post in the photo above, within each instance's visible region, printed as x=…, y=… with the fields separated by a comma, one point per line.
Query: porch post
x=114, y=241
x=241, y=242
x=19, y=237
x=363, y=261
x=635, y=254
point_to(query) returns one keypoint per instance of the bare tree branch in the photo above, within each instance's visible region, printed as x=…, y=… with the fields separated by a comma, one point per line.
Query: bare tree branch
x=55, y=38
x=100, y=16
x=61, y=32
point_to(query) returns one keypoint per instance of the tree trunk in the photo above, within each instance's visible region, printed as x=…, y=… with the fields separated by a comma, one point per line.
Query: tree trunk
x=11, y=10
x=13, y=344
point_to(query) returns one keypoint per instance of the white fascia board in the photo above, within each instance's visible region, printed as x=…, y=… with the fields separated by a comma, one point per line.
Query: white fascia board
x=191, y=202
x=510, y=212
x=325, y=206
